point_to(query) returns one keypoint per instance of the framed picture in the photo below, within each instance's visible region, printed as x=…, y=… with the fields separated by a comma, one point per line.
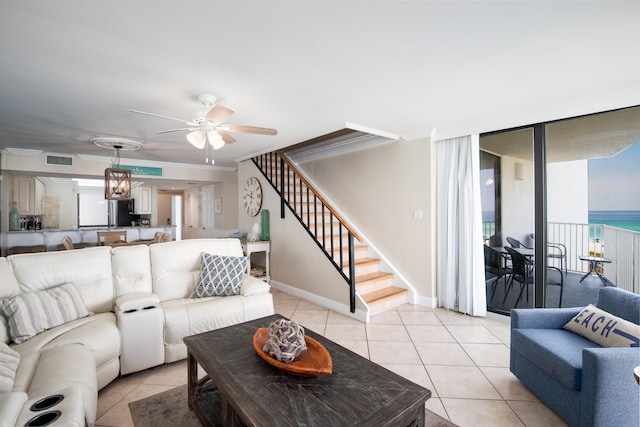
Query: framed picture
x=218, y=205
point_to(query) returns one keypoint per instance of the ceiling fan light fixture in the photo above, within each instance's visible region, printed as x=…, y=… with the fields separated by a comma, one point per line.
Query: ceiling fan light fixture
x=197, y=139
x=215, y=140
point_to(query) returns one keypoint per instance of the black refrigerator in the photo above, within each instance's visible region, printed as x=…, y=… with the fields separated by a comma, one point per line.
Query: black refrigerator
x=125, y=217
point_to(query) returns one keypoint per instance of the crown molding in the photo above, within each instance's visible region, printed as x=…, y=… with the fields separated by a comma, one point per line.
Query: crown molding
x=24, y=152
x=137, y=162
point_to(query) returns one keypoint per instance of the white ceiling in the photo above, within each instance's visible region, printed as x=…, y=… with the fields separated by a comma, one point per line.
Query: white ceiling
x=70, y=69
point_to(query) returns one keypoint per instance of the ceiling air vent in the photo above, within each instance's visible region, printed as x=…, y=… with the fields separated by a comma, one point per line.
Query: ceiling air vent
x=58, y=160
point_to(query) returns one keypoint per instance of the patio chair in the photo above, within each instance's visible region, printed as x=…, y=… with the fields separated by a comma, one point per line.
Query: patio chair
x=496, y=263
x=515, y=243
x=556, y=251
x=523, y=273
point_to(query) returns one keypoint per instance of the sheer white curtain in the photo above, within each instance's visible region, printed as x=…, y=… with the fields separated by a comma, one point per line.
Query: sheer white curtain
x=461, y=285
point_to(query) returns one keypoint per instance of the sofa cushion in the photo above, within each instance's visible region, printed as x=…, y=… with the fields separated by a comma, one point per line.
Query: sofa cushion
x=604, y=328
x=252, y=286
x=89, y=270
x=34, y=312
x=9, y=360
x=131, y=269
x=175, y=266
x=220, y=275
x=620, y=302
x=9, y=289
x=557, y=352
x=67, y=366
x=186, y=317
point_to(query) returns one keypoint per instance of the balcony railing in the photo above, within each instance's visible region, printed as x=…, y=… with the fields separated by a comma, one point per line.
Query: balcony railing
x=620, y=245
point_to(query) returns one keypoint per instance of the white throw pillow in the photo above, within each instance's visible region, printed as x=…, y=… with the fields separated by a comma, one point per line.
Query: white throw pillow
x=220, y=276
x=604, y=328
x=34, y=312
x=9, y=360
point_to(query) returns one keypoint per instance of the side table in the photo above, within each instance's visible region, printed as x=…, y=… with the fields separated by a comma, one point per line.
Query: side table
x=593, y=268
x=259, y=246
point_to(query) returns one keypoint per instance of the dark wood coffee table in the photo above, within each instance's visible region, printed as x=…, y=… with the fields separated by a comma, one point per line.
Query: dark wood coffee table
x=242, y=389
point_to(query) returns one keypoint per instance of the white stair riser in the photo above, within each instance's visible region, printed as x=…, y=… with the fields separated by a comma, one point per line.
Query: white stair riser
x=389, y=304
x=374, y=286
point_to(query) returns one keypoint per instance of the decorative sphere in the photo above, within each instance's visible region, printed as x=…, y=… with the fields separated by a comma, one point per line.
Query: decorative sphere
x=285, y=340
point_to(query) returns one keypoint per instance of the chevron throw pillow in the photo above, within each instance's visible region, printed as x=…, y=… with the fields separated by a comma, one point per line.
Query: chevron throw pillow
x=220, y=276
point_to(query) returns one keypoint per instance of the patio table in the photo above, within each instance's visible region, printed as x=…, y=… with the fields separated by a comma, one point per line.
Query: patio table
x=593, y=268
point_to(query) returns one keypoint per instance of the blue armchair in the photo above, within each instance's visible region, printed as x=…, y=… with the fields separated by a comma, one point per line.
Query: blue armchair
x=585, y=384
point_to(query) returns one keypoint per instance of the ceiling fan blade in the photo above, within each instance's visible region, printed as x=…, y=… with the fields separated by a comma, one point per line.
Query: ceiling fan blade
x=172, y=130
x=228, y=139
x=249, y=129
x=163, y=117
x=219, y=114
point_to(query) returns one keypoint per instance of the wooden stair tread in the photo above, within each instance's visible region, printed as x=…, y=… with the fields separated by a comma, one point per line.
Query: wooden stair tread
x=365, y=279
x=357, y=251
x=382, y=295
x=360, y=262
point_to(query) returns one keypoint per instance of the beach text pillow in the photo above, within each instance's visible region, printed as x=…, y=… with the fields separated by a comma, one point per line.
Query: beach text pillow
x=220, y=276
x=9, y=359
x=34, y=312
x=604, y=328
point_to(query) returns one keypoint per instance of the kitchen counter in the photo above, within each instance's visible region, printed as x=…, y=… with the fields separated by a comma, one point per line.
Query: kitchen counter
x=51, y=238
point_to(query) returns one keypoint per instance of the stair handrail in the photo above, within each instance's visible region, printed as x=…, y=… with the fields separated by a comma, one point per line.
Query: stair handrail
x=352, y=234
x=315, y=192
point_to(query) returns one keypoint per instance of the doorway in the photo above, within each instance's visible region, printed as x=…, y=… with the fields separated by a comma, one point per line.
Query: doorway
x=176, y=216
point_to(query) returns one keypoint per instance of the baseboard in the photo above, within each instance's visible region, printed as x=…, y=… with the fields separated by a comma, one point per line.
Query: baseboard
x=427, y=301
x=321, y=301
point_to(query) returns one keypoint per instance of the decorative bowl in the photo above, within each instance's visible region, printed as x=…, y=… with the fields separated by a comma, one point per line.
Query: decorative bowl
x=313, y=362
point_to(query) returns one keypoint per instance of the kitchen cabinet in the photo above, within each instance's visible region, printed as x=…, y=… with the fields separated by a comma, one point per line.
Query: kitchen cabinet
x=142, y=200
x=28, y=192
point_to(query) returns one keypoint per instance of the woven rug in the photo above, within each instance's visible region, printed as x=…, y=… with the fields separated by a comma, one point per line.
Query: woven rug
x=170, y=408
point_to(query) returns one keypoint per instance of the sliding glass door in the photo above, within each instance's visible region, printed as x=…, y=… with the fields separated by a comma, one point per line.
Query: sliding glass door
x=593, y=202
x=507, y=182
x=564, y=196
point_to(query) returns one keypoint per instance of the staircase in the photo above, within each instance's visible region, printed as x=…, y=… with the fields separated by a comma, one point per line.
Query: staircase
x=332, y=234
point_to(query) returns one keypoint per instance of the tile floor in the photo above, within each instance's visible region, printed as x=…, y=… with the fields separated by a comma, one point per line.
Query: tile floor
x=464, y=361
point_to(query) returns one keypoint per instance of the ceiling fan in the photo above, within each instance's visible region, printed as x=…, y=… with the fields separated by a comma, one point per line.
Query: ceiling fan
x=207, y=125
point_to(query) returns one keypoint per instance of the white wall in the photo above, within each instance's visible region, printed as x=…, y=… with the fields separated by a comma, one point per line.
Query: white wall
x=61, y=205
x=378, y=189
x=517, y=200
x=164, y=208
x=568, y=192
x=295, y=258
x=228, y=191
x=567, y=196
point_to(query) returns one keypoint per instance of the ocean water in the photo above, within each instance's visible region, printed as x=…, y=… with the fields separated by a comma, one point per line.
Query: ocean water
x=629, y=220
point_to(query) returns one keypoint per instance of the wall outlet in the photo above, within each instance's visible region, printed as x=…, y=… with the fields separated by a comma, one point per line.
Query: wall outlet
x=417, y=214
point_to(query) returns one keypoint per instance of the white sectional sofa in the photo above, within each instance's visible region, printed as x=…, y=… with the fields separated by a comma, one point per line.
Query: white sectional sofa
x=140, y=304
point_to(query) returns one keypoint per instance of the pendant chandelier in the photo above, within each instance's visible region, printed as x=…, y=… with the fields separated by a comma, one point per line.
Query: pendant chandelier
x=117, y=182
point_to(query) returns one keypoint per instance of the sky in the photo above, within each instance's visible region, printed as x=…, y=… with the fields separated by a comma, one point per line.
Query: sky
x=614, y=183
